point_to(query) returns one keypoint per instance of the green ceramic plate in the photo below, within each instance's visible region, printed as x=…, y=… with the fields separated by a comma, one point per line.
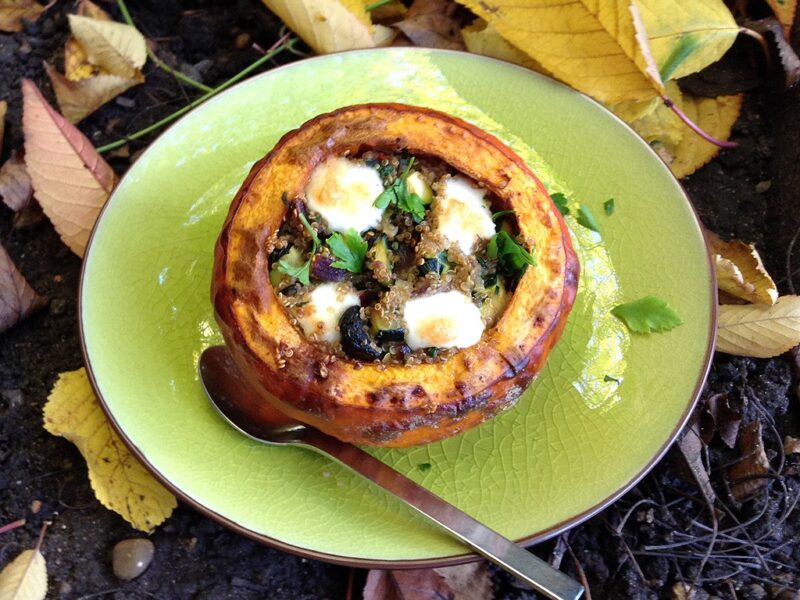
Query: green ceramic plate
x=600, y=414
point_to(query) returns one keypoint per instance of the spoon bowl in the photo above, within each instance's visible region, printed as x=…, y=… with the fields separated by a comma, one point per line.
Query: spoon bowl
x=235, y=400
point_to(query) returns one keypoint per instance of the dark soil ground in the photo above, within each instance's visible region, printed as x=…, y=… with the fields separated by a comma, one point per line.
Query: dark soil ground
x=638, y=548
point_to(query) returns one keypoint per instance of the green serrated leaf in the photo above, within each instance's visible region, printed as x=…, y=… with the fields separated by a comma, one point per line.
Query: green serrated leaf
x=350, y=249
x=301, y=273
x=560, y=200
x=586, y=218
x=647, y=315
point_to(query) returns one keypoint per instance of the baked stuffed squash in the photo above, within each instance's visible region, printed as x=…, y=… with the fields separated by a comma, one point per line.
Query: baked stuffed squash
x=391, y=275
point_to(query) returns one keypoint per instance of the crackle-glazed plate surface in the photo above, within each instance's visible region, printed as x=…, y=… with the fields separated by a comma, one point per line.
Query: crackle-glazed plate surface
x=601, y=412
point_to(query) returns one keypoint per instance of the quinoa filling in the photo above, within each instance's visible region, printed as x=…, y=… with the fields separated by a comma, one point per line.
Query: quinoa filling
x=395, y=258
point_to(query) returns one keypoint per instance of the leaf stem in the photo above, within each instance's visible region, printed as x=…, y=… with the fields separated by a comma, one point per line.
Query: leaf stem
x=123, y=8
x=276, y=49
x=761, y=40
x=12, y=526
x=45, y=525
x=694, y=127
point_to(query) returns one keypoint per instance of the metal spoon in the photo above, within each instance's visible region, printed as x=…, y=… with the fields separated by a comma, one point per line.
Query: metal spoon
x=229, y=392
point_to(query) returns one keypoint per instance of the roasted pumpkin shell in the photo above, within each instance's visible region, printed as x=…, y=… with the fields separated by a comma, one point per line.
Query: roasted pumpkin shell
x=376, y=404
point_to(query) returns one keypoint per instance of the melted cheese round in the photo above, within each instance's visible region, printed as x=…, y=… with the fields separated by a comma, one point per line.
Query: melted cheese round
x=343, y=192
x=327, y=303
x=443, y=320
x=463, y=215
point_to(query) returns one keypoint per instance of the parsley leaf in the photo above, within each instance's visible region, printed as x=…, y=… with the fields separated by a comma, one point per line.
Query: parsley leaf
x=608, y=206
x=501, y=213
x=398, y=195
x=586, y=218
x=350, y=249
x=301, y=273
x=560, y=200
x=609, y=379
x=512, y=259
x=647, y=315
x=424, y=467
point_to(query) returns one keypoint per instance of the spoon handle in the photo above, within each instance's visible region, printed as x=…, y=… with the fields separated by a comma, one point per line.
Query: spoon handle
x=500, y=550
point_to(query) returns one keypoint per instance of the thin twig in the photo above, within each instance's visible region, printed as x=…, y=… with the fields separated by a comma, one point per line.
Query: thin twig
x=123, y=8
x=581, y=573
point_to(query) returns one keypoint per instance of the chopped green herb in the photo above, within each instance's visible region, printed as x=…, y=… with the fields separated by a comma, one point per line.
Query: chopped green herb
x=424, y=467
x=560, y=200
x=512, y=259
x=609, y=378
x=314, y=236
x=432, y=352
x=301, y=273
x=647, y=315
x=350, y=249
x=608, y=206
x=501, y=213
x=398, y=195
x=586, y=218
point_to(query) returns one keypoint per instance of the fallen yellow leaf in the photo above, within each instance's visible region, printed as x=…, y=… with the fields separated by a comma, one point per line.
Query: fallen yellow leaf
x=118, y=48
x=87, y=8
x=15, y=183
x=25, y=577
x=76, y=63
x=17, y=298
x=119, y=481
x=785, y=10
x=482, y=38
x=13, y=11
x=686, y=37
x=715, y=116
x=658, y=125
x=327, y=25
x=759, y=330
x=589, y=45
x=431, y=23
x=71, y=180
x=740, y=271
x=631, y=111
x=79, y=99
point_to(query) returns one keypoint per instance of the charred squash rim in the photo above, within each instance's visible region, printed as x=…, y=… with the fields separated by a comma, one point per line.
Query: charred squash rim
x=375, y=404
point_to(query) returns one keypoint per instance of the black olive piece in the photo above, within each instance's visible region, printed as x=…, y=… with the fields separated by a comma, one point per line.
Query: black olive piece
x=390, y=335
x=438, y=264
x=356, y=342
x=278, y=254
x=291, y=289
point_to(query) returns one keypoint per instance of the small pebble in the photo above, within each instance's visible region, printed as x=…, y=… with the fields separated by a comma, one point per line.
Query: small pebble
x=58, y=306
x=36, y=506
x=130, y=558
x=242, y=41
x=763, y=186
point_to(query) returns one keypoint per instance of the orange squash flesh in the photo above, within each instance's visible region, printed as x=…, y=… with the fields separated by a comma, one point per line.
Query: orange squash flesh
x=376, y=404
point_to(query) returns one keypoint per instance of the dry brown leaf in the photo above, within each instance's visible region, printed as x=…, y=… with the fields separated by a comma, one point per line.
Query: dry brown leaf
x=25, y=577
x=79, y=99
x=785, y=10
x=12, y=12
x=758, y=330
x=418, y=584
x=691, y=446
x=87, y=8
x=118, y=48
x=327, y=25
x=430, y=23
x=791, y=445
x=720, y=418
x=3, y=111
x=482, y=38
x=740, y=271
x=70, y=179
x=468, y=582
x=17, y=298
x=118, y=479
x=15, y=183
x=789, y=59
x=745, y=474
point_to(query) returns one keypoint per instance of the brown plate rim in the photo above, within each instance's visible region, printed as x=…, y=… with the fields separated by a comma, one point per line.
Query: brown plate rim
x=409, y=563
